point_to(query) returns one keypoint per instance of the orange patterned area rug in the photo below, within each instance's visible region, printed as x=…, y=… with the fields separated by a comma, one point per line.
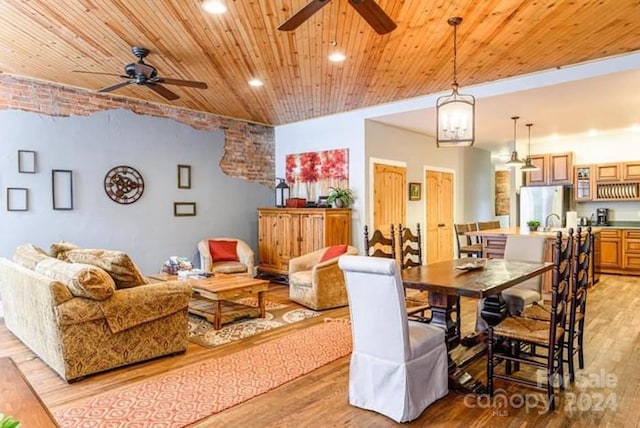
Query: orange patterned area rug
x=189, y=394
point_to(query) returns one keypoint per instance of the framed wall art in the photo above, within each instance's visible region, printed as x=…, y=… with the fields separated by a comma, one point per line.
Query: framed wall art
x=415, y=191
x=17, y=199
x=184, y=176
x=26, y=161
x=184, y=209
x=313, y=174
x=62, y=189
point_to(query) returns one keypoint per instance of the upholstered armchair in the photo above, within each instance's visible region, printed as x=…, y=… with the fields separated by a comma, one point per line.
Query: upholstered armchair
x=226, y=255
x=316, y=281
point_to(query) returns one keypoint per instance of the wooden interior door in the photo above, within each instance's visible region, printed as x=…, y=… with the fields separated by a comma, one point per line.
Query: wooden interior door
x=389, y=196
x=439, y=209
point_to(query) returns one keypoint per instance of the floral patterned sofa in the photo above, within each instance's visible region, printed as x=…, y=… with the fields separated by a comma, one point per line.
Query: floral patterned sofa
x=86, y=311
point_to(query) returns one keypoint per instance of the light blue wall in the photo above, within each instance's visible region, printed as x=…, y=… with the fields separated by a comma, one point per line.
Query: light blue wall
x=147, y=229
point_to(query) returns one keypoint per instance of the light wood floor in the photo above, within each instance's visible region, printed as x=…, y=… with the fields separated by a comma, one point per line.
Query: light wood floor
x=319, y=399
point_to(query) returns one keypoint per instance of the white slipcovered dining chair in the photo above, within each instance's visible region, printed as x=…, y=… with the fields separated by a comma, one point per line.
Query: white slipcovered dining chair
x=525, y=248
x=398, y=367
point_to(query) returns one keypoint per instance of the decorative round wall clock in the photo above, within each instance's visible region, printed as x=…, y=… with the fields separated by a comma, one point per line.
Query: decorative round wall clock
x=123, y=184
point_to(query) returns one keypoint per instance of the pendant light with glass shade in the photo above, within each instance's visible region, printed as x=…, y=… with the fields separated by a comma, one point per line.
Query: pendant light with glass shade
x=455, y=113
x=528, y=166
x=515, y=161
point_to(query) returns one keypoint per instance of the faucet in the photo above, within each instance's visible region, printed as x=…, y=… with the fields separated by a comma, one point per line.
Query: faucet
x=546, y=221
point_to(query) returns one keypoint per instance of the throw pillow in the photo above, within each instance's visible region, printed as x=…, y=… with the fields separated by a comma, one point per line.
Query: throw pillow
x=81, y=279
x=28, y=255
x=333, y=251
x=223, y=251
x=118, y=264
x=59, y=249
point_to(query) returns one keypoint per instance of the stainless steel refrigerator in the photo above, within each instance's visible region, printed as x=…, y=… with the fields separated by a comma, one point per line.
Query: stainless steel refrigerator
x=537, y=202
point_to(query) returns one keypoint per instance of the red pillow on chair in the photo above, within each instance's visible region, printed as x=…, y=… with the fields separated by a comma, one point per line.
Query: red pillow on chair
x=333, y=251
x=223, y=251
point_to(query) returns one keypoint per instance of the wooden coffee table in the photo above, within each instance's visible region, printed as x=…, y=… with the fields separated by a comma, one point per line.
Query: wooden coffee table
x=224, y=287
x=19, y=400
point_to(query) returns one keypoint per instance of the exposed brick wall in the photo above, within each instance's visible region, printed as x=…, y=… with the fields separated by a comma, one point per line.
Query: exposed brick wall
x=249, y=149
x=503, y=190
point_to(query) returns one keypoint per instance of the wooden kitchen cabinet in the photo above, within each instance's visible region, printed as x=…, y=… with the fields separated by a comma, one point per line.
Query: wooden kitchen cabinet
x=284, y=233
x=555, y=169
x=631, y=171
x=608, y=172
x=611, y=250
x=583, y=182
x=631, y=250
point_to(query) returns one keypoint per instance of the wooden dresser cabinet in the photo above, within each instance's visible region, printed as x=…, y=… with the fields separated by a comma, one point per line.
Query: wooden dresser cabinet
x=284, y=233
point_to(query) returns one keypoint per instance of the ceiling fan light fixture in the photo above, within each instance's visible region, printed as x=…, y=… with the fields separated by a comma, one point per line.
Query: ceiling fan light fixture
x=528, y=166
x=455, y=113
x=214, y=7
x=515, y=161
x=336, y=55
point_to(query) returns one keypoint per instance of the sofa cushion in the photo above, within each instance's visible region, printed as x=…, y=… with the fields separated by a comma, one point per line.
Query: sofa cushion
x=28, y=255
x=59, y=249
x=303, y=278
x=222, y=251
x=118, y=264
x=81, y=279
x=228, y=267
x=333, y=251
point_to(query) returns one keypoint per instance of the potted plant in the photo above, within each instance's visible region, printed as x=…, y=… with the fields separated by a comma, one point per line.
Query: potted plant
x=533, y=225
x=340, y=197
x=8, y=422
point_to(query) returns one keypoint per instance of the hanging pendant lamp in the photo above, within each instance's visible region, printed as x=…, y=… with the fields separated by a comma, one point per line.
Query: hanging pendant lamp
x=515, y=161
x=455, y=113
x=528, y=166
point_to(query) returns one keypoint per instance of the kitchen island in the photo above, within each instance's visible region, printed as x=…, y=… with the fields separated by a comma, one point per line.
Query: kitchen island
x=494, y=241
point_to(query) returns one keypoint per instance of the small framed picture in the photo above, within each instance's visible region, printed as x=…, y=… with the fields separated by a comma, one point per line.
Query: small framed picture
x=184, y=176
x=415, y=191
x=17, y=199
x=184, y=209
x=62, y=189
x=26, y=161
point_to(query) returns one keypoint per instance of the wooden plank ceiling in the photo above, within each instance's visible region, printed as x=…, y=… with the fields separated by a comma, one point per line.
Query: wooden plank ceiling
x=47, y=39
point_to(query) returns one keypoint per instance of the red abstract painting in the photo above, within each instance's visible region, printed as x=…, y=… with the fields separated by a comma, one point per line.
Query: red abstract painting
x=311, y=174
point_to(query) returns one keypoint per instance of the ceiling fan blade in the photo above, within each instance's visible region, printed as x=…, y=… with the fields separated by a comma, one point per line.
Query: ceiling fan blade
x=166, y=93
x=179, y=82
x=374, y=15
x=116, y=86
x=98, y=72
x=302, y=15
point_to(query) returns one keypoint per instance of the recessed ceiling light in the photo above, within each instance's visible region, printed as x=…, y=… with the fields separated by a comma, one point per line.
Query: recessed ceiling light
x=216, y=7
x=256, y=82
x=337, y=57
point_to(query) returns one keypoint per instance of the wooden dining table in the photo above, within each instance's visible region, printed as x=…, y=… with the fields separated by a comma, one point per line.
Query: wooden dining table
x=445, y=281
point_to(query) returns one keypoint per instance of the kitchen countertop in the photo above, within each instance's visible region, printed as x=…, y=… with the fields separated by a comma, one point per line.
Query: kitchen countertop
x=622, y=224
x=504, y=231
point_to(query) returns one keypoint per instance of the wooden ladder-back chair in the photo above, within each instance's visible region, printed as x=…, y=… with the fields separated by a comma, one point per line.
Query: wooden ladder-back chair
x=578, y=302
x=379, y=245
x=486, y=225
x=411, y=256
x=513, y=332
x=466, y=245
x=410, y=247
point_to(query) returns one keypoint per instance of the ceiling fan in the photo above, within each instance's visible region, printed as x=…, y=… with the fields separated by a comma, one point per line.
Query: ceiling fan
x=368, y=9
x=145, y=74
